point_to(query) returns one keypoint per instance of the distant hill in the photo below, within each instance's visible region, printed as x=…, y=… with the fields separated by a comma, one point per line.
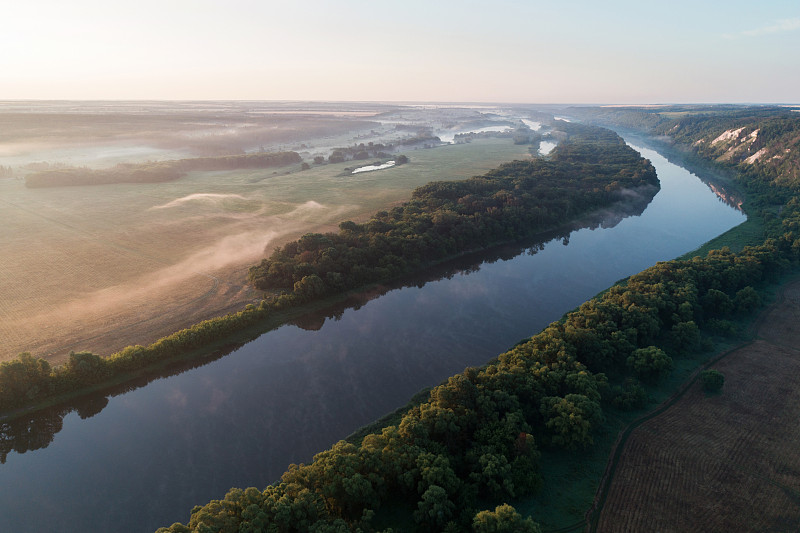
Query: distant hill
x=758, y=140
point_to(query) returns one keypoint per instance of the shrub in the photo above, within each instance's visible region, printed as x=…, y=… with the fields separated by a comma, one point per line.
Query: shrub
x=712, y=380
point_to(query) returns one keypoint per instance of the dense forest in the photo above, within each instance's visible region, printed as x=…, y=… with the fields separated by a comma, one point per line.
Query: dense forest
x=474, y=443
x=593, y=168
x=157, y=171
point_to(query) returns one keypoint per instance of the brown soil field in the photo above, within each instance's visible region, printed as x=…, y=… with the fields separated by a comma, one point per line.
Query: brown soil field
x=721, y=462
x=102, y=267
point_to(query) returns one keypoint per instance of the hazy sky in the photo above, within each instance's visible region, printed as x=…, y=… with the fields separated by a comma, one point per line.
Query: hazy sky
x=432, y=50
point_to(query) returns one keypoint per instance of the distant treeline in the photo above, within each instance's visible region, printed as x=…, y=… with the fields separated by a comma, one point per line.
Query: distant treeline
x=361, y=151
x=474, y=443
x=158, y=171
x=593, y=168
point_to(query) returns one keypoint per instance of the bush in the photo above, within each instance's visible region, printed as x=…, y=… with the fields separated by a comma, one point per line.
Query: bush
x=712, y=380
x=630, y=398
x=725, y=328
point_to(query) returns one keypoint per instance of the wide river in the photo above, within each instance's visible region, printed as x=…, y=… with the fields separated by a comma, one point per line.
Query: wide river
x=143, y=458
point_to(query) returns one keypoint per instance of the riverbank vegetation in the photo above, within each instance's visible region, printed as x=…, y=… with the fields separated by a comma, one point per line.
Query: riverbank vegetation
x=158, y=171
x=476, y=441
x=594, y=168
x=439, y=215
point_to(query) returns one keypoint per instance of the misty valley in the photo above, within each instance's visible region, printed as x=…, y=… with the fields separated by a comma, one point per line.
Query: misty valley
x=125, y=262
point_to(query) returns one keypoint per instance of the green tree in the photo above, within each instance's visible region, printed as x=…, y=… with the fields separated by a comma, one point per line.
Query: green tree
x=650, y=364
x=685, y=336
x=712, y=380
x=309, y=287
x=504, y=519
x=435, y=509
x=717, y=303
x=570, y=420
x=747, y=300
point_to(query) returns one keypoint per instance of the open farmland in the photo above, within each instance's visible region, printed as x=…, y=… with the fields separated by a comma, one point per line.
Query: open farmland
x=723, y=462
x=102, y=267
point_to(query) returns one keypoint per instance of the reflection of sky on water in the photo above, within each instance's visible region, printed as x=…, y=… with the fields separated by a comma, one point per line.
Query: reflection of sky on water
x=545, y=147
x=370, y=168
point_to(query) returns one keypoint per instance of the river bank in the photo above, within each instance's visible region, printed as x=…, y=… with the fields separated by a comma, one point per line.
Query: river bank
x=294, y=392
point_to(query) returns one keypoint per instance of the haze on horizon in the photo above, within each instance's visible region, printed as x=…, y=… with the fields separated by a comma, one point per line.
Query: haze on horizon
x=352, y=50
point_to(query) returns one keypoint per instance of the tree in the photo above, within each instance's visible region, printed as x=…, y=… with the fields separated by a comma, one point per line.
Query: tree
x=712, y=380
x=309, y=287
x=747, y=300
x=650, y=364
x=435, y=509
x=717, y=303
x=570, y=419
x=685, y=336
x=504, y=519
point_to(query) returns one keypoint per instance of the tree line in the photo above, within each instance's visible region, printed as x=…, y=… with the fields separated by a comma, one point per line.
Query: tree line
x=593, y=168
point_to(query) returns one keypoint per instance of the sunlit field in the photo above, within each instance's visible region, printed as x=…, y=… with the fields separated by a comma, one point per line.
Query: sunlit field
x=101, y=267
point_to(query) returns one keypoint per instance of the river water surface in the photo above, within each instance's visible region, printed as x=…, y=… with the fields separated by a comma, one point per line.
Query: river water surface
x=149, y=455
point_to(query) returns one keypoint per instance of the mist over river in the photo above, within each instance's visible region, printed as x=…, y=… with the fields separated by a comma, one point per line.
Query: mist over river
x=149, y=455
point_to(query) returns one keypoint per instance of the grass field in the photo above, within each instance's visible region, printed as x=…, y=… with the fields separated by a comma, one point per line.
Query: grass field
x=722, y=462
x=102, y=267
x=748, y=233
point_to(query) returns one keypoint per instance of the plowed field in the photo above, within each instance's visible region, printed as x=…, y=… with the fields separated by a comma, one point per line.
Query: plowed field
x=724, y=462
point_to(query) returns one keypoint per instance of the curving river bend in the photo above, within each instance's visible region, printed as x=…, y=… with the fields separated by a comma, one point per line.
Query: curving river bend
x=143, y=459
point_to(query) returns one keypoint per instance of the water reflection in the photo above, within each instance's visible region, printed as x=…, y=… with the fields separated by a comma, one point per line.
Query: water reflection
x=723, y=187
x=472, y=263
x=35, y=431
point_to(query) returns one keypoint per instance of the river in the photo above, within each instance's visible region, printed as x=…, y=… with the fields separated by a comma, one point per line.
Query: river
x=142, y=459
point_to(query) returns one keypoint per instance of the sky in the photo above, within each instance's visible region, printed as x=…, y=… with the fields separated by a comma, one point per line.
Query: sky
x=555, y=51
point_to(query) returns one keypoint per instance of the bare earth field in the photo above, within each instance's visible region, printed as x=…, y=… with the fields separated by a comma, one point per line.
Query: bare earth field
x=102, y=267
x=726, y=462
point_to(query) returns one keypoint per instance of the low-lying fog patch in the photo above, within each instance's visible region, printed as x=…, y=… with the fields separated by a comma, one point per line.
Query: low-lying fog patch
x=208, y=198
